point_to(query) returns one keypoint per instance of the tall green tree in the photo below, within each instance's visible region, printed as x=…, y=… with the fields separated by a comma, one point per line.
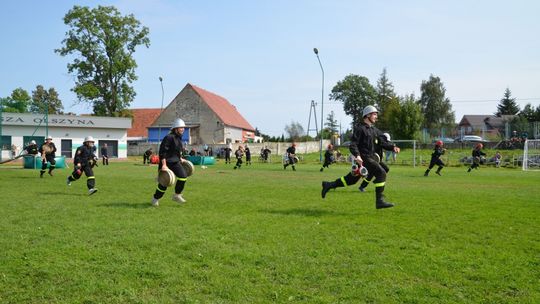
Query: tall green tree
x=355, y=92
x=331, y=122
x=385, y=96
x=41, y=98
x=17, y=102
x=528, y=113
x=436, y=108
x=294, y=130
x=507, y=105
x=406, y=118
x=103, y=42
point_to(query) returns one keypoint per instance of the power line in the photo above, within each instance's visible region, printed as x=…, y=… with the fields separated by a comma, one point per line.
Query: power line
x=492, y=100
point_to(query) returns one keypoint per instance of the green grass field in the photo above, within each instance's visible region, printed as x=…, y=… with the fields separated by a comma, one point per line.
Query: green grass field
x=262, y=234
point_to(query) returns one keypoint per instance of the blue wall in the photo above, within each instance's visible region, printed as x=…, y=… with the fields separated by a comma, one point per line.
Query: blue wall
x=154, y=132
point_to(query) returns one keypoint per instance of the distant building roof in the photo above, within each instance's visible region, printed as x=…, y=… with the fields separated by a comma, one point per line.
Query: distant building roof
x=228, y=113
x=142, y=119
x=490, y=121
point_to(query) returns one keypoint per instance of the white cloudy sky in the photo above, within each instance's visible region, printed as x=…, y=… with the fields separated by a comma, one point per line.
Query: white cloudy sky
x=259, y=54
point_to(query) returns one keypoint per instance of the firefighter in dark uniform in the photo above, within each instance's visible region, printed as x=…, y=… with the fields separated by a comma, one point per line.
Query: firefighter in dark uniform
x=105, y=154
x=170, y=157
x=84, y=156
x=477, y=157
x=248, y=155
x=228, y=151
x=438, y=151
x=146, y=156
x=239, y=153
x=48, y=153
x=32, y=148
x=363, y=142
x=383, y=141
x=291, y=157
x=328, y=157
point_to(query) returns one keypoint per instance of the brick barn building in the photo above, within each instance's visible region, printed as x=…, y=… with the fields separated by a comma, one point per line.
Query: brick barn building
x=210, y=119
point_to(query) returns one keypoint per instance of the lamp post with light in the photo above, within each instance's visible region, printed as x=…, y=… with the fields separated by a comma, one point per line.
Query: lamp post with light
x=316, y=51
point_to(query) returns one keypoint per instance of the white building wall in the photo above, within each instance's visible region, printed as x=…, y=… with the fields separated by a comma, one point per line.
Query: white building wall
x=74, y=128
x=234, y=134
x=76, y=135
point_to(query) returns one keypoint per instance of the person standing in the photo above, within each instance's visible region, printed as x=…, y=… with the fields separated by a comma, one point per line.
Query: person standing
x=248, y=155
x=388, y=154
x=291, y=157
x=146, y=156
x=105, y=154
x=228, y=151
x=84, y=156
x=497, y=159
x=328, y=157
x=383, y=141
x=477, y=157
x=170, y=157
x=438, y=151
x=48, y=153
x=363, y=143
x=239, y=153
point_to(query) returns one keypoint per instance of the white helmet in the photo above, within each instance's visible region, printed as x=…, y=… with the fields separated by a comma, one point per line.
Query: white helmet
x=368, y=110
x=178, y=123
x=387, y=136
x=49, y=137
x=88, y=138
x=32, y=142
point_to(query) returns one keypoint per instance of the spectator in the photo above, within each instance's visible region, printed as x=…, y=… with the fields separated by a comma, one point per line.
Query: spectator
x=497, y=159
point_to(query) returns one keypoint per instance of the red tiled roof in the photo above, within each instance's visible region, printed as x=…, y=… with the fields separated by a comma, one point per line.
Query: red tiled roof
x=223, y=109
x=142, y=119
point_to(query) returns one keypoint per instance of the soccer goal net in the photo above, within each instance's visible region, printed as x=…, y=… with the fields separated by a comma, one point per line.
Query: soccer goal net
x=531, y=154
x=407, y=155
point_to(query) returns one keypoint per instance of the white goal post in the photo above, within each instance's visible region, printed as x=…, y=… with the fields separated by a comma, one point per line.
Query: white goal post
x=407, y=155
x=531, y=154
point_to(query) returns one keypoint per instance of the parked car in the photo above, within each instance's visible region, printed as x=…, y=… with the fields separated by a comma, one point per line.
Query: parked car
x=446, y=140
x=471, y=138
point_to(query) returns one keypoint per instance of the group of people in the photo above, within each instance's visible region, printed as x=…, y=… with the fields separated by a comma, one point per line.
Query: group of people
x=477, y=158
x=367, y=146
x=84, y=160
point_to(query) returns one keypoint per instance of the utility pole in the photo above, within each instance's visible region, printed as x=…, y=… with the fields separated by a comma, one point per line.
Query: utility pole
x=312, y=109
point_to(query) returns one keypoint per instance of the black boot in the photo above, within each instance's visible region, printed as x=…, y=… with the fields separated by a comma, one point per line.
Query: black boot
x=438, y=172
x=380, y=203
x=363, y=185
x=326, y=186
x=426, y=173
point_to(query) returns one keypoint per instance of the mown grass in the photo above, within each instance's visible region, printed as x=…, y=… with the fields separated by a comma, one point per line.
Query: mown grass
x=262, y=234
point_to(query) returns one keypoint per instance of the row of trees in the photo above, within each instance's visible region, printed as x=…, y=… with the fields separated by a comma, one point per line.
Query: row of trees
x=405, y=116
x=21, y=102
x=508, y=106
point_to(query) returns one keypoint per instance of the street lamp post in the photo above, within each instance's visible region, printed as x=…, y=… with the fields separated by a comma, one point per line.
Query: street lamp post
x=162, y=95
x=316, y=51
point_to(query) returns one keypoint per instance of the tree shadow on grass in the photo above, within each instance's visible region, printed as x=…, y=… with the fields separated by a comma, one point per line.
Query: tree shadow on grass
x=127, y=205
x=64, y=193
x=25, y=177
x=303, y=212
